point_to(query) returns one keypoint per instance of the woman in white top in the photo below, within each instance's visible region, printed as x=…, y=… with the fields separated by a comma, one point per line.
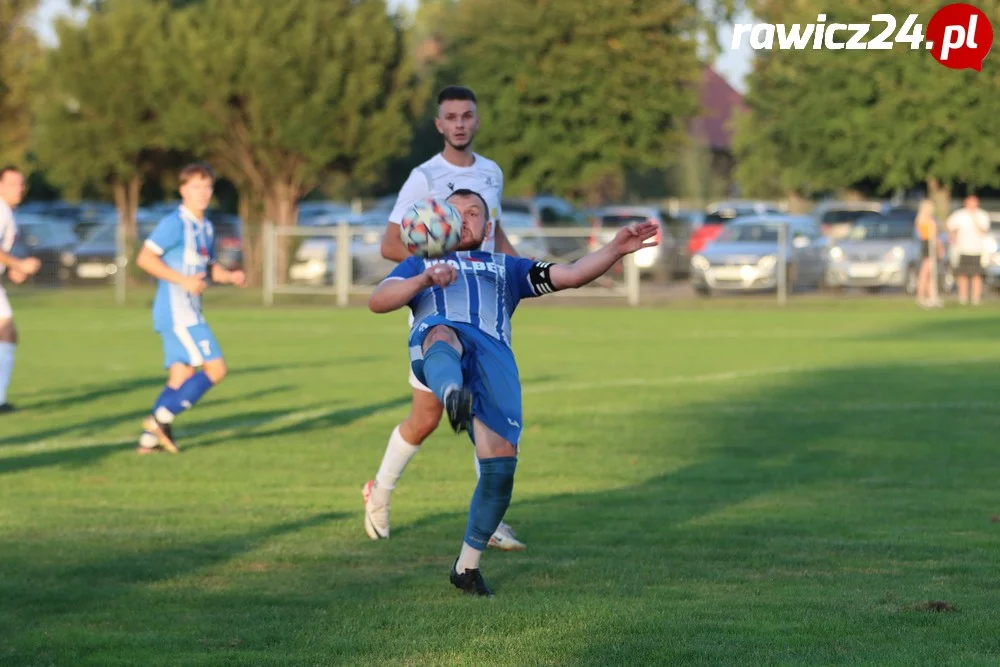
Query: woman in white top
x=968, y=227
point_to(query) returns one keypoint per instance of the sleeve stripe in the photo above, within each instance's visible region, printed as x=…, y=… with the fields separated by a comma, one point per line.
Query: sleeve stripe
x=152, y=246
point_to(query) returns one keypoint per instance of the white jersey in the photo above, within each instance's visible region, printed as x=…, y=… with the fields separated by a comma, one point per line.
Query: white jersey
x=8, y=230
x=438, y=178
x=970, y=228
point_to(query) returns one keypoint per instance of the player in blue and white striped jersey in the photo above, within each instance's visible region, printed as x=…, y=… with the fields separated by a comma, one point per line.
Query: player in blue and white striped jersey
x=180, y=253
x=459, y=345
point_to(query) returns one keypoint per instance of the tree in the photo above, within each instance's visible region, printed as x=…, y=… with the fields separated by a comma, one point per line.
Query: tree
x=18, y=52
x=822, y=119
x=101, y=123
x=281, y=94
x=576, y=92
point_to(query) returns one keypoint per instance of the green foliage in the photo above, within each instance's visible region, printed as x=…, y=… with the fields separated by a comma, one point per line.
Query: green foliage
x=101, y=121
x=18, y=57
x=277, y=94
x=575, y=93
x=822, y=119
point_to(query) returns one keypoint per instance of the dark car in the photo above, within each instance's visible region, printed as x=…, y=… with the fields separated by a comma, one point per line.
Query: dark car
x=48, y=239
x=94, y=258
x=228, y=239
x=84, y=215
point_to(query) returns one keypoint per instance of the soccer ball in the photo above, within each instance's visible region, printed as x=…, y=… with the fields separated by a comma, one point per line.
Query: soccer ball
x=431, y=228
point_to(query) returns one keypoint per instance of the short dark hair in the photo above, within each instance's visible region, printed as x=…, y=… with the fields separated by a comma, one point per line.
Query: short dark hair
x=456, y=93
x=6, y=168
x=195, y=169
x=465, y=192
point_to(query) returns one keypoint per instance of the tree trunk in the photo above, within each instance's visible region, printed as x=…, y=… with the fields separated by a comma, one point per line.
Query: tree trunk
x=126, y=193
x=251, y=214
x=279, y=209
x=940, y=195
x=797, y=204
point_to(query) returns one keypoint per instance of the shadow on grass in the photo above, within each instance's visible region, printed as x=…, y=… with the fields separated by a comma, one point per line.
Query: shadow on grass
x=72, y=396
x=736, y=557
x=304, y=420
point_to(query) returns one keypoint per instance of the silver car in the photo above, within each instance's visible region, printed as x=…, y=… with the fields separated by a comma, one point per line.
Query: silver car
x=880, y=251
x=315, y=258
x=744, y=257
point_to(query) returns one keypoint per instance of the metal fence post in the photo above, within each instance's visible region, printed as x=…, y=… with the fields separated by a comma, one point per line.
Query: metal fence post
x=269, y=264
x=342, y=272
x=631, y=280
x=782, y=261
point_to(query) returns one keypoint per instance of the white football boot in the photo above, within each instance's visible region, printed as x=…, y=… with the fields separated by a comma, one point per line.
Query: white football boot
x=503, y=539
x=376, y=516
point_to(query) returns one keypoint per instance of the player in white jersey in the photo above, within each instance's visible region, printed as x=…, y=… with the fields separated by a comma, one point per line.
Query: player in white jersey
x=456, y=167
x=11, y=193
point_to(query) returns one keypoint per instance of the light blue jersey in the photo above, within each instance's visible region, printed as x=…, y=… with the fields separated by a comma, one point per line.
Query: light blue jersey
x=186, y=245
x=488, y=288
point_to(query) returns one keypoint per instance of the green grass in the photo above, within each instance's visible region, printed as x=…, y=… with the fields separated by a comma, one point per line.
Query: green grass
x=715, y=483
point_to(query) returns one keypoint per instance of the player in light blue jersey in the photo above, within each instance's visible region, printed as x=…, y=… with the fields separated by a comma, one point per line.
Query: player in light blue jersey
x=180, y=253
x=459, y=346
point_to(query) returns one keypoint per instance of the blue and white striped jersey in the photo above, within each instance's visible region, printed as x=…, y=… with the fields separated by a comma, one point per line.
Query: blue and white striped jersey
x=186, y=245
x=488, y=288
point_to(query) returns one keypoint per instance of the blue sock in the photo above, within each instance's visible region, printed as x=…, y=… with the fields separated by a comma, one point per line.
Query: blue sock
x=491, y=499
x=442, y=368
x=183, y=397
x=164, y=398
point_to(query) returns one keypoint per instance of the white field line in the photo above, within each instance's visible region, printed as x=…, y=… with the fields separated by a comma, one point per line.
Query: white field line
x=296, y=416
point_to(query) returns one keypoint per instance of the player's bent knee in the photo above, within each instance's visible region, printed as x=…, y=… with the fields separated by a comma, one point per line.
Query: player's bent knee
x=444, y=334
x=215, y=370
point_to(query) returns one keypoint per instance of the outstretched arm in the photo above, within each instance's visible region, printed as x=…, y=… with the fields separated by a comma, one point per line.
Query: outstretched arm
x=594, y=265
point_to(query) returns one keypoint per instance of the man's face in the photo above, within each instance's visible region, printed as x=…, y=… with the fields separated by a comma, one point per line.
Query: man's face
x=972, y=202
x=474, y=223
x=12, y=188
x=197, y=194
x=458, y=122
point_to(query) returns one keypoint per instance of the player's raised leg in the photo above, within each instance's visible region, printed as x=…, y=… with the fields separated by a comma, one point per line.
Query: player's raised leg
x=404, y=443
x=185, y=350
x=497, y=464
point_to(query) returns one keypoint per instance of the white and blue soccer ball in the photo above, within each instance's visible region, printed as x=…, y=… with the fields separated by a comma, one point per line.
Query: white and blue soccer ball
x=431, y=228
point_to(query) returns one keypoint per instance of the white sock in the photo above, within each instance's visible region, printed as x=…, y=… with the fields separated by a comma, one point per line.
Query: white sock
x=6, y=369
x=468, y=559
x=397, y=454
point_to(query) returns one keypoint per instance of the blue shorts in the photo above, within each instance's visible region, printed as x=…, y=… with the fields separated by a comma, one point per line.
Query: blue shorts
x=488, y=370
x=192, y=346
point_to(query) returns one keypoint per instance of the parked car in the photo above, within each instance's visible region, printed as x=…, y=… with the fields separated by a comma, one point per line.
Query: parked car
x=48, y=238
x=228, y=231
x=991, y=258
x=95, y=257
x=837, y=218
x=524, y=233
x=550, y=212
x=717, y=216
x=882, y=250
x=318, y=213
x=315, y=260
x=85, y=215
x=661, y=260
x=744, y=257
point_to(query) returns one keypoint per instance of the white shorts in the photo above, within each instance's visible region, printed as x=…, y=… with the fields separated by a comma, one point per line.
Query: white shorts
x=416, y=384
x=6, y=313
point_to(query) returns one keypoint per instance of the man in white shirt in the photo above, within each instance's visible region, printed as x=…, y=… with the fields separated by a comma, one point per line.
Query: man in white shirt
x=969, y=227
x=11, y=193
x=456, y=167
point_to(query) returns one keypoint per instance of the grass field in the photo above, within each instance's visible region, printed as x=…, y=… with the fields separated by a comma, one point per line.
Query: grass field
x=715, y=483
